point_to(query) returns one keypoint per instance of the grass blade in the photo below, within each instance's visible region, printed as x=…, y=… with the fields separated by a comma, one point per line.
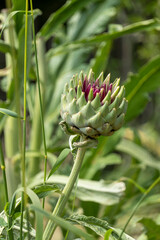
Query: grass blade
x=63, y=223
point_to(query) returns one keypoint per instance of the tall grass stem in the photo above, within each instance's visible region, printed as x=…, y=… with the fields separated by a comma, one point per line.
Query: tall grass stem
x=40, y=97
x=24, y=124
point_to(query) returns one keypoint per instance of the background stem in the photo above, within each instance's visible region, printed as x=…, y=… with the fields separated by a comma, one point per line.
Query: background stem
x=24, y=196
x=11, y=125
x=50, y=228
x=36, y=134
x=10, y=232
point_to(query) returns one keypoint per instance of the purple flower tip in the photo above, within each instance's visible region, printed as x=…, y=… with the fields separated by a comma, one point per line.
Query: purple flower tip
x=102, y=89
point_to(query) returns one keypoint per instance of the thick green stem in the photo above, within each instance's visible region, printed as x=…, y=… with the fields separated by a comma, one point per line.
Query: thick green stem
x=11, y=126
x=50, y=228
x=38, y=121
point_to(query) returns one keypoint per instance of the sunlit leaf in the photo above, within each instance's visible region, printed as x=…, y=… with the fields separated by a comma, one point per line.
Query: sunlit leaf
x=43, y=190
x=59, y=161
x=61, y=15
x=135, y=27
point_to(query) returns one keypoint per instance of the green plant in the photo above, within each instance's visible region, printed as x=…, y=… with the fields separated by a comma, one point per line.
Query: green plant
x=84, y=38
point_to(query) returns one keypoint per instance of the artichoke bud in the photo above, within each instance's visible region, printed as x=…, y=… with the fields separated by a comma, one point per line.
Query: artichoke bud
x=72, y=83
x=73, y=108
x=116, y=83
x=104, y=109
x=111, y=116
x=79, y=91
x=114, y=104
x=75, y=82
x=80, y=82
x=70, y=95
x=66, y=89
x=100, y=78
x=81, y=101
x=123, y=107
x=92, y=107
x=90, y=95
x=107, y=97
x=119, y=122
x=96, y=120
x=114, y=94
x=96, y=103
x=91, y=76
x=107, y=79
x=81, y=76
x=88, y=110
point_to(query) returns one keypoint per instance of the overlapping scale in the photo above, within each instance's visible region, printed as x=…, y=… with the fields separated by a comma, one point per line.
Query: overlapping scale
x=93, y=107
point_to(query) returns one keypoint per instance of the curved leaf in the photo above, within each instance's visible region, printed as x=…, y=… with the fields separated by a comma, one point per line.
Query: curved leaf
x=4, y=47
x=139, y=85
x=98, y=226
x=132, y=28
x=59, y=161
x=35, y=200
x=9, y=113
x=61, y=15
x=88, y=190
x=43, y=190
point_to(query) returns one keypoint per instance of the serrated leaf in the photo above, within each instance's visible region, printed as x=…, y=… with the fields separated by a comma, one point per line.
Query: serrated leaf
x=98, y=226
x=3, y=223
x=9, y=113
x=59, y=161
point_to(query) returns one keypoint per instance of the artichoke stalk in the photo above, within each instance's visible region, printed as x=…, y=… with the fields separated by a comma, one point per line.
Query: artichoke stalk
x=92, y=107
x=89, y=108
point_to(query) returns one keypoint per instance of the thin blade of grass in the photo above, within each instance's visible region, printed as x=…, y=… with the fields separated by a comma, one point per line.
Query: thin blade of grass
x=63, y=223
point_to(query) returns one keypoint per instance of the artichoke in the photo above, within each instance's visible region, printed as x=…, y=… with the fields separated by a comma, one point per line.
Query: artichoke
x=92, y=107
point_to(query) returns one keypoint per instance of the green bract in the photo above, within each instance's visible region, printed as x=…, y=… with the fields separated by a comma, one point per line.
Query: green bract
x=92, y=107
